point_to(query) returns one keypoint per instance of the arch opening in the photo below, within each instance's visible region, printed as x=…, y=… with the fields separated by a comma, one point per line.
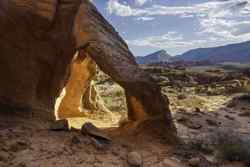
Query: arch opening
x=90, y=95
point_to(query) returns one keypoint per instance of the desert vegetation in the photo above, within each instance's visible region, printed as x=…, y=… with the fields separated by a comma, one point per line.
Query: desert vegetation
x=210, y=107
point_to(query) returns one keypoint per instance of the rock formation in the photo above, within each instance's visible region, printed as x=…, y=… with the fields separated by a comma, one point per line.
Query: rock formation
x=80, y=94
x=92, y=101
x=39, y=39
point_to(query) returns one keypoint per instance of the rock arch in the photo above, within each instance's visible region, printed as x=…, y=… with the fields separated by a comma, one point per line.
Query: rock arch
x=38, y=40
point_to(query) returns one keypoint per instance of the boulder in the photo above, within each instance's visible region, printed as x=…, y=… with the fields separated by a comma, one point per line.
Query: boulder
x=135, y=159
x=91, y=130
x=60, y=125
x=194, y=162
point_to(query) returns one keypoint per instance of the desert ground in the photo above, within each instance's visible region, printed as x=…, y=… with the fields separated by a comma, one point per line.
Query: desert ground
x=210, y=107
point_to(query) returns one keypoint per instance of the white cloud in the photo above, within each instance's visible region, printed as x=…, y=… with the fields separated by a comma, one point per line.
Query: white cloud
x=225, y=21
x=241, y=28
x=175, y=40
x=140, y=2
x=119, y=9
x=167, y=41
x=229, y=19
x=220, y=8
x=115, y=7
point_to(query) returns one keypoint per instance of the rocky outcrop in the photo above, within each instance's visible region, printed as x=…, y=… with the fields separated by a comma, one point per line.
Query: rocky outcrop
x=38, y=41
x=82, y=72
x=35, y=60
x=80, y=94
x=92, y=101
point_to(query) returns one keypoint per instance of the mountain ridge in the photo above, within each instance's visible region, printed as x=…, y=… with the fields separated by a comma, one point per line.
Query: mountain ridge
x=158, y=56
x=236, y=52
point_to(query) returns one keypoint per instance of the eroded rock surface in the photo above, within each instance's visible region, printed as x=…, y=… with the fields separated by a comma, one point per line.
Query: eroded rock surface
x=79, y=94
x=38, y=41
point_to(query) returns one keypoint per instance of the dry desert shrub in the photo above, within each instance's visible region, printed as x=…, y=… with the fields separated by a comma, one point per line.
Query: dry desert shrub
x=232, y=146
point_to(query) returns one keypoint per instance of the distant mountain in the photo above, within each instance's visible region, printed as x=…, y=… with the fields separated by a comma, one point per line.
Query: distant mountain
x=159, y=56
x=239, y=52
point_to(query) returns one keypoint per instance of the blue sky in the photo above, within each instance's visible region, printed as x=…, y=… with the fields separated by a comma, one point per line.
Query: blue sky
x=177, y=25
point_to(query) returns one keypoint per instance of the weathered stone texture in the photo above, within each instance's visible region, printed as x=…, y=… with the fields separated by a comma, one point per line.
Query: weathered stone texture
x=38, y=40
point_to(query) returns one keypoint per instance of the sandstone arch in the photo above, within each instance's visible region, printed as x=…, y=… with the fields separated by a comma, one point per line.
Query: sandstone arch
x=38, y=39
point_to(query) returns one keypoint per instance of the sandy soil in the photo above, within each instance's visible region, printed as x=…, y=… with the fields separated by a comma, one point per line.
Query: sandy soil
x=29, y=143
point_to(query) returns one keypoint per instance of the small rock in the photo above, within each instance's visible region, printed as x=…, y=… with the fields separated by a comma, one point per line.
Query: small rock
x=212, y=122
x=134, y=159
x=181, y=119
x=193, y=125
x=229, y=117
x=232, y=104
x=245, y=114
x=169, y=163
x=60, y=125
x=188, y=123
x=181, y=96
x=194, y=162
x=197, y=109
x=182, y=110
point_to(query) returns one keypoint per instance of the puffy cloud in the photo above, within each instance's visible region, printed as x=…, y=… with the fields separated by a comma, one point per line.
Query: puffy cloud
x=173, y=41
x=219, y=8
x=115, y=7
x=220, y=22
x=119, y=9
x=241, y=28
x=140, y=2
x=226, y=19
x=169, y=40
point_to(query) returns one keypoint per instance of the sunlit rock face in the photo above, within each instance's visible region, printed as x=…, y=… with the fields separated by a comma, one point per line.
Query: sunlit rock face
x=80, y=95
x=82, y=72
